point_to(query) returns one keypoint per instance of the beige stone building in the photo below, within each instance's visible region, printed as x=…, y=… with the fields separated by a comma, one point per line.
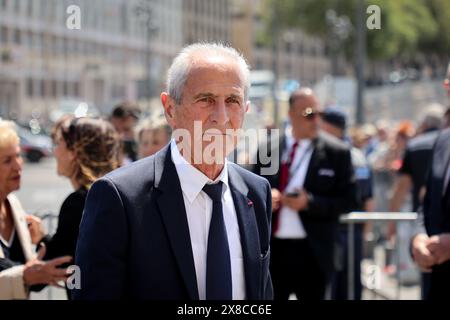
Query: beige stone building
x=110, y=58
x=206, y=20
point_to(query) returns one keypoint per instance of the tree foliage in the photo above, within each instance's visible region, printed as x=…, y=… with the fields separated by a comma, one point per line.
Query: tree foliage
x=407, y=26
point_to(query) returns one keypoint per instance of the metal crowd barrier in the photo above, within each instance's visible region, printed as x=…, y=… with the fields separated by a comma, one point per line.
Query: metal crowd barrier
x=360, y=217
x=350, y=219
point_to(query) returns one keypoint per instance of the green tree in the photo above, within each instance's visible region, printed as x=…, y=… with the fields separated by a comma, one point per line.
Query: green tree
x=407, y=26
x=440, y=42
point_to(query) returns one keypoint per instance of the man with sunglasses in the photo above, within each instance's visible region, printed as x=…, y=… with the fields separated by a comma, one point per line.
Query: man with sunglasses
x=313, y=186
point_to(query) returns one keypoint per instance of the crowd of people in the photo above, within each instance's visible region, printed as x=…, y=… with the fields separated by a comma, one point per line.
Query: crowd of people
x=146, y=221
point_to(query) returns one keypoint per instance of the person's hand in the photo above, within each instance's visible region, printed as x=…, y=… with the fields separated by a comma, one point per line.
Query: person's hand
x=297, y=203
x=36, y=228
x=422, y=255
x=276, y=199
x=439, y=246
x=391, y=231
x=45, y=272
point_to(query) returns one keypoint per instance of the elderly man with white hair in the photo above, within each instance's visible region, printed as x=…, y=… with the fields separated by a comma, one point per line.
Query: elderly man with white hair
x=183, y=224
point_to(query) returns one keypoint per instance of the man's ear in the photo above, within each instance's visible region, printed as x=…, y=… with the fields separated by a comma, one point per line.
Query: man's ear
x=247, y=106
x=169, y=108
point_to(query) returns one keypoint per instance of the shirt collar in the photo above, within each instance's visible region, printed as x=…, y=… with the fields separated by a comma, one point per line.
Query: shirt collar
x=193, y=180
x=303, y=143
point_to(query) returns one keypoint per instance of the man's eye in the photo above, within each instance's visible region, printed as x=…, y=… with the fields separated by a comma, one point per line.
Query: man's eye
x=233, y=100
x=208, y=100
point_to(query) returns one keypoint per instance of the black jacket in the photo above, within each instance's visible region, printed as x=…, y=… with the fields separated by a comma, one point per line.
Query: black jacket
x=64, y=241
x=331, y=190
x=134, y=237
x=436, y=215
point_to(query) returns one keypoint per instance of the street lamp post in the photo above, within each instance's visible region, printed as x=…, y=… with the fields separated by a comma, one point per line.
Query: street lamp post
x=275, y=32
x=144, y=11
x=360, y=59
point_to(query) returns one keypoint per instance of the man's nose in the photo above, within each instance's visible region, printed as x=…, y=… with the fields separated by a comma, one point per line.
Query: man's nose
x=220, y=113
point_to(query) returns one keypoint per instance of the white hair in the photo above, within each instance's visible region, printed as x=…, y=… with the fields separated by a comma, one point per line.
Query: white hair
x=181, y=66
x=432, y=116
x=152, y=123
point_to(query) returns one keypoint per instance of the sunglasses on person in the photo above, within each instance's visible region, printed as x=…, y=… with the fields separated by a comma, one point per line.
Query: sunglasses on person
x=310, y=113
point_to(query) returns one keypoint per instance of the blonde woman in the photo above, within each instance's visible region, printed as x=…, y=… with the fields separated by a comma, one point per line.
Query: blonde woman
x=152, y=135
x=85, y=150
x=19, y=267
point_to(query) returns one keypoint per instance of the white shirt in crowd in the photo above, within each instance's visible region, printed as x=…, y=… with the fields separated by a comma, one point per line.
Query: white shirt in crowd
x=290, y=225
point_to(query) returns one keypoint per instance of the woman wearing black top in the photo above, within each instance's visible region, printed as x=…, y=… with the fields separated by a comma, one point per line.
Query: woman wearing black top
x=85, y=150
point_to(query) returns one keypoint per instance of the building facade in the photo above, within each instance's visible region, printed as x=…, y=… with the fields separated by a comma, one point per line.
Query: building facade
x=206, y=20
x=122, y=49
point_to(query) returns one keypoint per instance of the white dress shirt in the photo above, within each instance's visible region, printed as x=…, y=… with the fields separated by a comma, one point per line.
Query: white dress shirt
x=199, y=211
x=290, y=225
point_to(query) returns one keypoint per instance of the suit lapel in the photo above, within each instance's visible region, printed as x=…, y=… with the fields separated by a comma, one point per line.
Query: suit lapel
x=248, y=231
x=21, y=227
x=316, y=155
x=173, y=214
x=444, y=160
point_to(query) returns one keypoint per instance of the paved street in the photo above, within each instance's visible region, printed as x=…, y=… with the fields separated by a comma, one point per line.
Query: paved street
x=42, y=190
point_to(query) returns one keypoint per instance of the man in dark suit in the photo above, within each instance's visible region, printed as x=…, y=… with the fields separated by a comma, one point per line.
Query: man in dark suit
x=183, y=223
x=431, y=244
x=312, y=188
x=412, y=174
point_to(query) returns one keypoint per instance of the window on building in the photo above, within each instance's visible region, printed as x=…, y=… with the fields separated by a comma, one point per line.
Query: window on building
x=17, y=5
x=124, y=19
x=32, y=40
x=17, y=37
x=288, y=47
x=4, y=4
x=37, y=88
x=300, y=48
x=38, y=39
x=42, y=88
x=54, y=45
x=54, y=89
x=65, y=46
x=4, y=35
x=29, y=86
x=76, y=89
x=29, y=11
x=65, y=88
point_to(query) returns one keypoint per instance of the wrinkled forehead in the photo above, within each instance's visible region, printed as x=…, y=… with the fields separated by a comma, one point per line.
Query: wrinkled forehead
x=214, y=80
x=305, y=101
x=9, y=149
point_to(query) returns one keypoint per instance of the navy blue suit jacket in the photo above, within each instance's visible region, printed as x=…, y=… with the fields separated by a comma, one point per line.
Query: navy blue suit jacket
x=436, y=220
x=134, y=238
